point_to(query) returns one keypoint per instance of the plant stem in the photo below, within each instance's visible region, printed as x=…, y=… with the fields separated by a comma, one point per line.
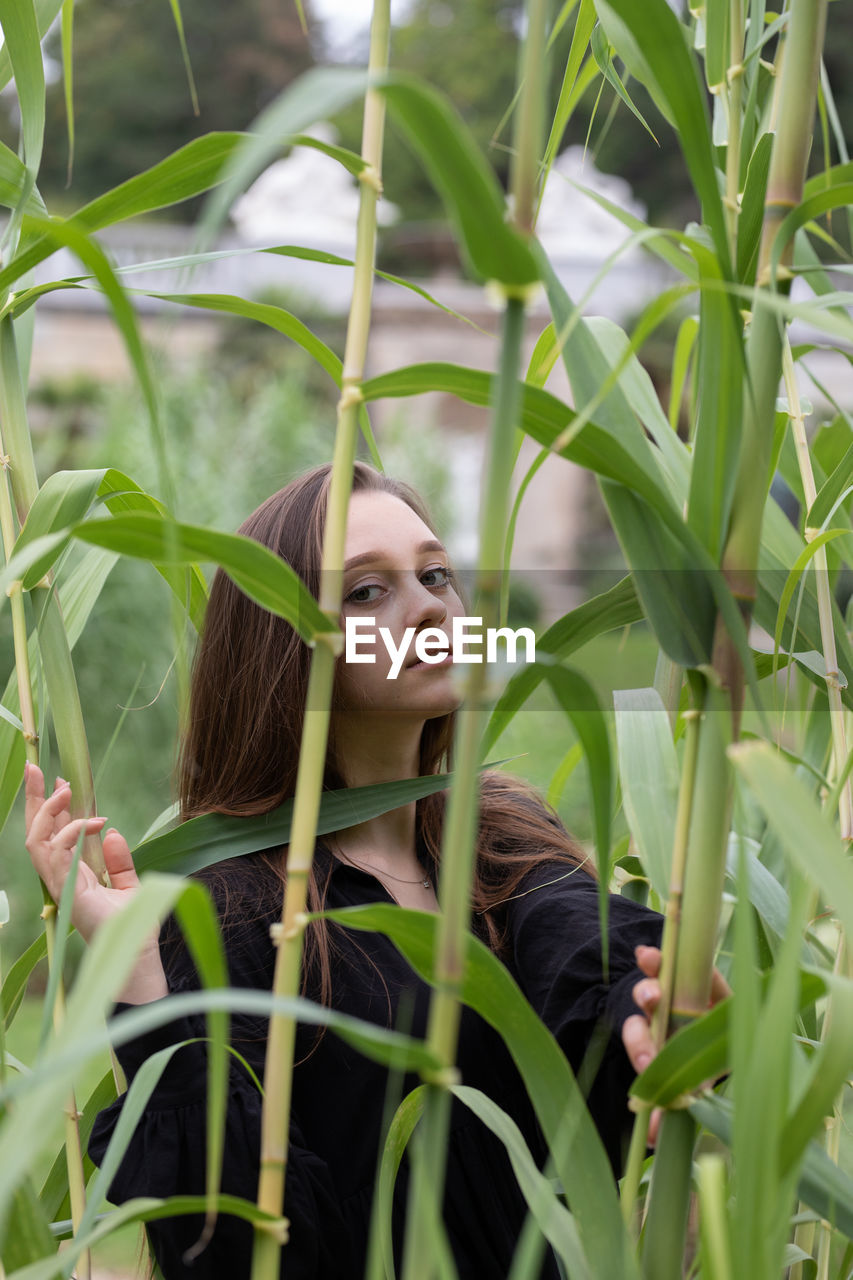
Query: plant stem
x=824, y=596
x=529, y=118
x=73, y=1146
x=56, y=656
x=669, y=949
x=460, y=825
x=666, y=1223
x=716, y=1248
x=797, y=89
x=312, y=757
x=734, y=94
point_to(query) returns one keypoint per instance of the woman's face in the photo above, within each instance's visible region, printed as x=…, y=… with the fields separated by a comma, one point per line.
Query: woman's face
x=397, y=573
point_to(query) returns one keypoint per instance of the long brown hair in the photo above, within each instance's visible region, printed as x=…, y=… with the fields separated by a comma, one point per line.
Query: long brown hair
x=247, y=704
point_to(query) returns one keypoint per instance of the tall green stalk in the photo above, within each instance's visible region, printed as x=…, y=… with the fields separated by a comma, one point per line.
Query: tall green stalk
x=824, y=597
x=73, y=1144
x=312, y=757
x=724, y=689
x=58, y=668
x=460, y=828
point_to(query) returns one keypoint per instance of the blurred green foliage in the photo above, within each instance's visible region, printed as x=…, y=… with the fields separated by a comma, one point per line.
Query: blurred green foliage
x=239, y=424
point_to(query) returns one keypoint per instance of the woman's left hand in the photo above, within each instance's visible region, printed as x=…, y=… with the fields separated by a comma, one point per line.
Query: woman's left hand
x=636, y=1030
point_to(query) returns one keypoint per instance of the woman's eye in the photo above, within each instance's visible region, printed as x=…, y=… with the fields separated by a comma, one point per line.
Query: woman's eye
x=360, y=594
x=440, y=575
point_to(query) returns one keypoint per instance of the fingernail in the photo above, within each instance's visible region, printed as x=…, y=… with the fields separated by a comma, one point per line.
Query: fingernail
x=643, y=1060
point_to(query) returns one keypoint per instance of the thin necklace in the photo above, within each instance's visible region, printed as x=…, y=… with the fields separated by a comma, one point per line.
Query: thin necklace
x=366, y=866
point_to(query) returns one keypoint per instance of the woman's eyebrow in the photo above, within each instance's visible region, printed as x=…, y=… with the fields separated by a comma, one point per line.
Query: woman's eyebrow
x=367, y=557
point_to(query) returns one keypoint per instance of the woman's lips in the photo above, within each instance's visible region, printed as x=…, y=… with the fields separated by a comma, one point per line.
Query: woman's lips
x=444, y=661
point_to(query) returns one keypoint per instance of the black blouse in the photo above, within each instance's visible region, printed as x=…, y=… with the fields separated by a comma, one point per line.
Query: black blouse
x=339, y=1096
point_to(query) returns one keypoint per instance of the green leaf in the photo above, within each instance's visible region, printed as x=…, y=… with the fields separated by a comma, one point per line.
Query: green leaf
x=555, y=1221
x=617, y=607
x=488, y=987
x=188, y=172
x=275, y=317
x=15, y=181
x=319, y=94
x=716, y=14
x=652, y=43
x=579, y=702
x=182, y=40
x=203, y=841
x=813, y=207
x=831, y=492
x=702, y=1050
x=800, y=825
x=685, y=344
x=23, y=45
x=676, y=595
x=68, y=76
x=63, y=500
x=351, y=160
x=465, y=182
x=400, y=1131
x=568, y=89
x=601, y=52
x=15, y=982
x=543, y=417
x=721, y=373
x=752, y=209
x=26, y=1235
x=830, y=1071
x=648, y=771
x=54, y=1193
x=46, y=11
x=822, y=1184
x=256, y=570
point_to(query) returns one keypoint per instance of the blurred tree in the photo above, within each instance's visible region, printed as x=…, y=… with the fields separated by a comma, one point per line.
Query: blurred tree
x=133, y=110
x=469, y=51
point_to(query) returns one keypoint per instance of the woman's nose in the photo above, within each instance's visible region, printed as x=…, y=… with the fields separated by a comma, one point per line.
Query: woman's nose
x=428, y=609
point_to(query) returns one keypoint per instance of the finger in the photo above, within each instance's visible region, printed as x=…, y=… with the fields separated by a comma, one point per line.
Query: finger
x=33, y=791
x=649, y=960
x=65, y=840
x=719, y=987
x=637, y=1039
x=54, y=861
x=45, y=822
x=646, y=994
x=119, y=861
x=654, y=1126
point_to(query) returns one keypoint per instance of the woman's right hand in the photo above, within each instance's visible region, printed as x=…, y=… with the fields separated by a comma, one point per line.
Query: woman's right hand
x=51, y=840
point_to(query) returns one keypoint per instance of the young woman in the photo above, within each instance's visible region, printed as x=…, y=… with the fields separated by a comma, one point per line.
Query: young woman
x=535, y=906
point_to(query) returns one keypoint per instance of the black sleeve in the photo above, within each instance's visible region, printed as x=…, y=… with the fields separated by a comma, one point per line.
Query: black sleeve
x=558, y=962
x=166, y=1155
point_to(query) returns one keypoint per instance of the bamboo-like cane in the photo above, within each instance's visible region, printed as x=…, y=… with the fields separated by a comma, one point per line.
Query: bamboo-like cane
x=712, y=803
x=460, y=827
x=73, y=1145
x=734, y=106
x=58, y=668
x=824, y=596
x=312, y=756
